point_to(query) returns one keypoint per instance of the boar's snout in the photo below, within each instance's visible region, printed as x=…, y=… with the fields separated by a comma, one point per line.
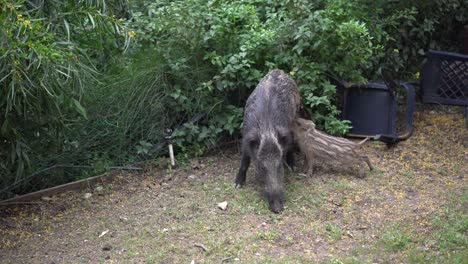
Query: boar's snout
x=271, y=170
x=275, y=202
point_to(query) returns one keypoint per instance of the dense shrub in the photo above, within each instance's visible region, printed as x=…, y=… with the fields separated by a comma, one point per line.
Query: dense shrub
x=407, y=29
x=209, y=55
x=235, y=43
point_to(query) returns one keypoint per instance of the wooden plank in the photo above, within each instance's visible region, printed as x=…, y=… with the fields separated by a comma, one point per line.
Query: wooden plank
x=60, y=188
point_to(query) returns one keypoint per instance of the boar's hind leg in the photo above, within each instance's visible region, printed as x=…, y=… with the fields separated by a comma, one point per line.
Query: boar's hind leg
x=367, y=160
x=290, y=159
x=241, y=175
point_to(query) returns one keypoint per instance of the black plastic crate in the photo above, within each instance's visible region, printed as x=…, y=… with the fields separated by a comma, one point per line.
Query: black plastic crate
x=445, y=78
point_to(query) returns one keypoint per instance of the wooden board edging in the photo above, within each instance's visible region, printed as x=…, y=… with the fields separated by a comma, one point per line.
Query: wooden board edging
x=60, y=188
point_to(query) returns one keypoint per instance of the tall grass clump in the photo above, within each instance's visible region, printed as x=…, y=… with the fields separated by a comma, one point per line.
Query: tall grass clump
x=48, y=52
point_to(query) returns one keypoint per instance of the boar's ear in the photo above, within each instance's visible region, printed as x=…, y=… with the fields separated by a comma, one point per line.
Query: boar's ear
x=304, y=124
x=296, y=123
x=311, y=124
x=283, y=135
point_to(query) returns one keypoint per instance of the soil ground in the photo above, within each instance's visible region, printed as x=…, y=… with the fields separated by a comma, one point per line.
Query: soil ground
x=411, y=209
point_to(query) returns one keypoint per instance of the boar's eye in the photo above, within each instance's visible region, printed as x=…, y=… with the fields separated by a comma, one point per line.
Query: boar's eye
x=283, y=136
x=283, y=140
x=254, y=142
x=252, y=139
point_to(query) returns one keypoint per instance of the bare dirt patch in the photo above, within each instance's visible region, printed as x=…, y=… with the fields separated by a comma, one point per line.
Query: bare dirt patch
x=395, y=214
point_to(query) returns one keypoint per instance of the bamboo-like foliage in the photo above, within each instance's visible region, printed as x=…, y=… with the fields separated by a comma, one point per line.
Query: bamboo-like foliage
x=48, y=51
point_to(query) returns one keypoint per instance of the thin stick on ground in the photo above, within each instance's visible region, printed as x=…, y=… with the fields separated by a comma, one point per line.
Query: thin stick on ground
x=201, y=246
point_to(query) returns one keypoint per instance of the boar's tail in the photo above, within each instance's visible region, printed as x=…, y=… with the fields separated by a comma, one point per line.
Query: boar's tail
x=363, y=141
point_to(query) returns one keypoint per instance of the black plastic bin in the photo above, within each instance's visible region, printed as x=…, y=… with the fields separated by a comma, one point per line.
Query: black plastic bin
x=372, y=110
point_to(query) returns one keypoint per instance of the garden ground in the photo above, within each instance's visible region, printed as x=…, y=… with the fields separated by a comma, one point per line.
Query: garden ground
x=412, y=208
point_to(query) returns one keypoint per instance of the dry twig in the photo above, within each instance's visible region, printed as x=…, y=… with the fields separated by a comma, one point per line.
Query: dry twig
x=201, y=246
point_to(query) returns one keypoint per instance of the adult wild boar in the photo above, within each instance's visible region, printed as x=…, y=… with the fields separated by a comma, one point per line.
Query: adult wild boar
x=267, y=137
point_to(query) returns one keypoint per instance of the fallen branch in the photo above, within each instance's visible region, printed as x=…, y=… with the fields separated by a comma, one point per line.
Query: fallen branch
x=226, y=259
x=58, y=166
x=201, y=246
x=18, y=203
x=318, y=146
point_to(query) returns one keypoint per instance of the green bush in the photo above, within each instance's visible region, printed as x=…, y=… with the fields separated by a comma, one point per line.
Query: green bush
x=215, y=52
x=407, y=29
x=231, y=45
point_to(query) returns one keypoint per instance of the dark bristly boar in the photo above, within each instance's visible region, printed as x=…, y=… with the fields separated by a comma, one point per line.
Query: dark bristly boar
x=267, y=136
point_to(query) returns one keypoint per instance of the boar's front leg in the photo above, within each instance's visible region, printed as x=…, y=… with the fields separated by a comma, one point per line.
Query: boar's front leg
x=290, y=159
x=244, y=166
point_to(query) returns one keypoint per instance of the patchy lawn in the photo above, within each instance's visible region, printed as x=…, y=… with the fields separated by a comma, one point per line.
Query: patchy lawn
x=413, y=208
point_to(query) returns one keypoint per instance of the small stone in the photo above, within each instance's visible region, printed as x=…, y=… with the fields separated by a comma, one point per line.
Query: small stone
x=104, y=233
x=337, y=203
x=46, y=198
x=87, y=195
x=191, y=177
x=99, y=189
x=223, y=205
x=107, y=247
x=423, y=248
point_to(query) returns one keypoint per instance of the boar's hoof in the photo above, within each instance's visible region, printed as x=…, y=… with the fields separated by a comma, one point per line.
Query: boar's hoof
x=238, y=185
x=362, y=174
